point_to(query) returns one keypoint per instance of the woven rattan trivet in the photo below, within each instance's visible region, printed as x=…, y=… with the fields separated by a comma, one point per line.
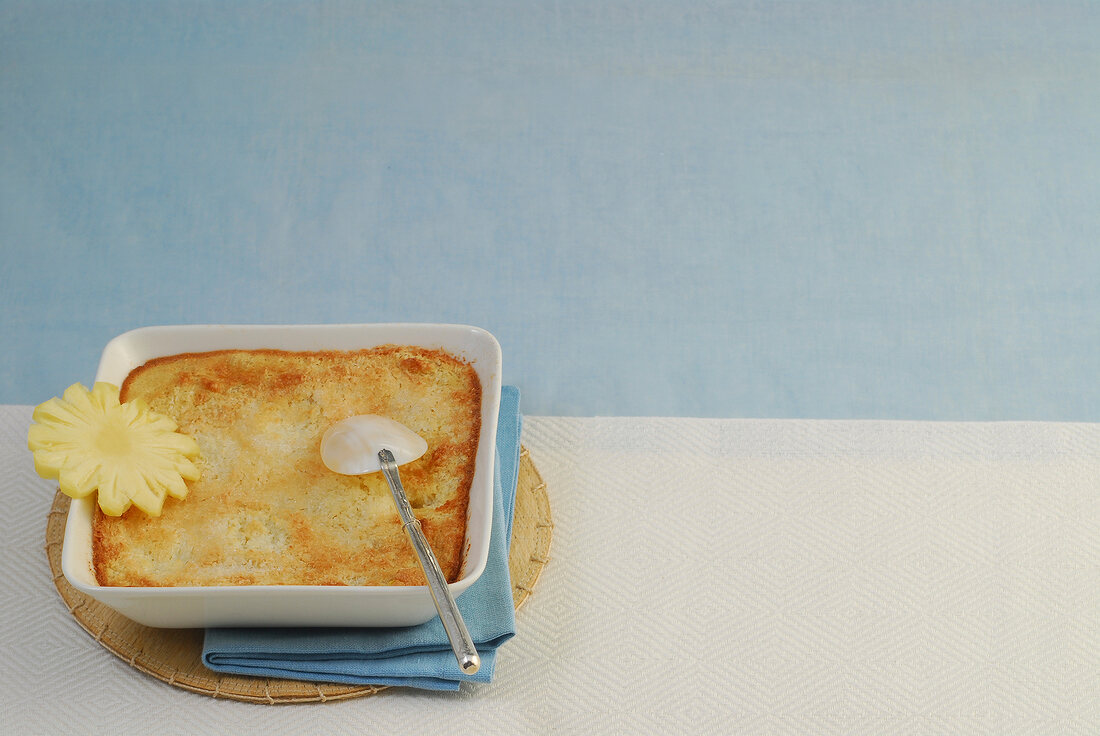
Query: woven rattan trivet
x=173, y=655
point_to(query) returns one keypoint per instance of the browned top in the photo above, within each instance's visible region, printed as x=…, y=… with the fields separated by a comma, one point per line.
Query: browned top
x=266, y=510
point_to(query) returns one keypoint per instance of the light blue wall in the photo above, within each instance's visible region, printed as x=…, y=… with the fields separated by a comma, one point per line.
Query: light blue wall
x=751, y=209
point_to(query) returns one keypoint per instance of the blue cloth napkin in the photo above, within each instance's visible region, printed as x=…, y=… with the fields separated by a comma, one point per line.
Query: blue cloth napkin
x=417, y=656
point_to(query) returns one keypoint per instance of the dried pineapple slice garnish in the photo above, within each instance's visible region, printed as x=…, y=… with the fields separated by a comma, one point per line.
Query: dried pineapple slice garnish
x=87, y=440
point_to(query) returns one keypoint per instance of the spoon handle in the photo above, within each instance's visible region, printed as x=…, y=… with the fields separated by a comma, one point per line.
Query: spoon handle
x=457, y=633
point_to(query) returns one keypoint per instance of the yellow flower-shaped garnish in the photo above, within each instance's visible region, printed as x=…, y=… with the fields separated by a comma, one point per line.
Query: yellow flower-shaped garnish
x=87, y=440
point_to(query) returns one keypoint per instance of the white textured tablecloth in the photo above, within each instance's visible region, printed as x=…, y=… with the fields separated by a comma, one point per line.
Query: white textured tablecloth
x=716, y=576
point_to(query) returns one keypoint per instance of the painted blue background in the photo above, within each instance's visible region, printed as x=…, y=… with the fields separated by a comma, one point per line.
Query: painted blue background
x=836, y=209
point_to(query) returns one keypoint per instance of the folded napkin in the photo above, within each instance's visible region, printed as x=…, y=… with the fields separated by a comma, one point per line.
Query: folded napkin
x=417, y=656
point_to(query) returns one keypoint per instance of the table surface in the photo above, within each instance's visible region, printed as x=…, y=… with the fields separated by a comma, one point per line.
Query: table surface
x=706, y=576
x=839, y=210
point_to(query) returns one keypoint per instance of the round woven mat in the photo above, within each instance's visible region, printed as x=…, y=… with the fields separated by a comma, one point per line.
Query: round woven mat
x=174, y=655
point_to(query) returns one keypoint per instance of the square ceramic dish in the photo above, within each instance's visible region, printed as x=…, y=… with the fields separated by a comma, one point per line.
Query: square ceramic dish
x=294, y=605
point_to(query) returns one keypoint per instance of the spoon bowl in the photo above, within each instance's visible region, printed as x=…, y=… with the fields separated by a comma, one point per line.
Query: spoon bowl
x=351, y=446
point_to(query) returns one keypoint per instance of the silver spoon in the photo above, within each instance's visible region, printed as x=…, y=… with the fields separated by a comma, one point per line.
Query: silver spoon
x=368, y=443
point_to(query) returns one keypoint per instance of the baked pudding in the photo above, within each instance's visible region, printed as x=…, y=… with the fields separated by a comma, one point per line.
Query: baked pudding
x=265, y=509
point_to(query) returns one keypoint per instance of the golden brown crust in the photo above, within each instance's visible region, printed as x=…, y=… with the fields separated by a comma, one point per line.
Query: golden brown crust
x=266, y=510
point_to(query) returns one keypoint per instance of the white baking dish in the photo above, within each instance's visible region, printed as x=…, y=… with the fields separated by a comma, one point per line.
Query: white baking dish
x=294, y=605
